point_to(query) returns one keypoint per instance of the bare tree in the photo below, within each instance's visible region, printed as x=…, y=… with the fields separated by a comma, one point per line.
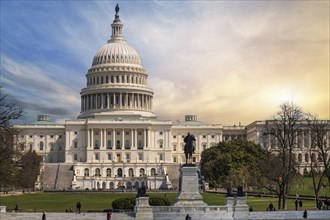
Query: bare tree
x=320, y=146
x=282, y=132
x=9, y=111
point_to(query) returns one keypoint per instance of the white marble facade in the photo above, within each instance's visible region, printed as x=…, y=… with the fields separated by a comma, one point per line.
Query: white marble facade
x=117, y=140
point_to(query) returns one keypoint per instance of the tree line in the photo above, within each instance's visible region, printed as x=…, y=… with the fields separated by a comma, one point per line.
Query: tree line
x=240, y=162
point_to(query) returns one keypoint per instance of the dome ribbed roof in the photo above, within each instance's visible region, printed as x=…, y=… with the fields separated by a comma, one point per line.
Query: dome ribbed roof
x=115, y=52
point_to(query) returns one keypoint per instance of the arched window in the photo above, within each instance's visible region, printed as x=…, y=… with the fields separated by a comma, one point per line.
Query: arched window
x=130, y=172
x=41, y=145
x=153, y=172
x=142, y=172
x=97, y=172
x=313, y=158
x=299, y=158
x=120, y=172
x=96, y=145
x=161, y=144
x=109, y=172
x=306, y=157
x=86, y=172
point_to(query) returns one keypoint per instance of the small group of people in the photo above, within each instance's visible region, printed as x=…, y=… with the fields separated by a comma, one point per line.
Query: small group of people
x=323, y=205
x=300, y=203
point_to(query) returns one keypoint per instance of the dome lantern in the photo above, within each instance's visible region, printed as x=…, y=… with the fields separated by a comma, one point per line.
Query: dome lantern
x=117, y=27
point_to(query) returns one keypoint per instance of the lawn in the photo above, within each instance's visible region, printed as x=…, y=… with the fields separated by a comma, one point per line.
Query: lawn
x=59, y=202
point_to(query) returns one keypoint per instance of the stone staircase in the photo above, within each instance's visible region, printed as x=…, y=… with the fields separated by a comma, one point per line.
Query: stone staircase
x=48, y=177
x=173, y=171
x=57, y=176
x=64, y=177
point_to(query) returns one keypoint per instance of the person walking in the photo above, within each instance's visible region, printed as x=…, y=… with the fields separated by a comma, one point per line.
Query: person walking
x=78, y=206
x=296, y=204
x=271, y=206
x=109, y=213
x=188, y=217
x=300, y=204
x=43, y=215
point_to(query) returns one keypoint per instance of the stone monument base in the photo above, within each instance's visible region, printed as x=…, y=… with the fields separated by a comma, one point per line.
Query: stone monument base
x=142, y=209
x=189, y=189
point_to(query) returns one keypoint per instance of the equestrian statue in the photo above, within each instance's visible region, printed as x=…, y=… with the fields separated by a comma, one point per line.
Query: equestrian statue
x=189, y=147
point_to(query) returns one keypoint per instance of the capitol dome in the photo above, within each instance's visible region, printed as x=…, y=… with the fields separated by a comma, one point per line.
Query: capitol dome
x=116, y=82
x=115, y=53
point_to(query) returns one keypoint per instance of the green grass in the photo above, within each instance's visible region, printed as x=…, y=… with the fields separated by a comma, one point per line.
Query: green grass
x=305, y=187
x=58, y=202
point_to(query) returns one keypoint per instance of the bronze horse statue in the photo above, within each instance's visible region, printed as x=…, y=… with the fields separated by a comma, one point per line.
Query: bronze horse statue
x=189, y=147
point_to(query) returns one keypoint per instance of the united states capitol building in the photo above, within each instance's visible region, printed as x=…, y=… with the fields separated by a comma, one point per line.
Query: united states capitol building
x=117, y=140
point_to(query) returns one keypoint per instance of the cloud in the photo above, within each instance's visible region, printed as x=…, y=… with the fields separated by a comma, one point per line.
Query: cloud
x=225, y=61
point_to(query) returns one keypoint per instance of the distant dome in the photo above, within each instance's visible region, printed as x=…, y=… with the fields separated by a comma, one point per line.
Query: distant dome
x=117, y=52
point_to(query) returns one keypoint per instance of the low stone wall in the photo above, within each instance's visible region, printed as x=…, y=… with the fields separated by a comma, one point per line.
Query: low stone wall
x=163, y=214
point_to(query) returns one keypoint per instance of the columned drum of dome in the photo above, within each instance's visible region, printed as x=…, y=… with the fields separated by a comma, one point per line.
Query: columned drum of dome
x=116, y=82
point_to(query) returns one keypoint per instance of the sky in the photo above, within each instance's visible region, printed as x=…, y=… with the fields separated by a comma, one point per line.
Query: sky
x=228, y=62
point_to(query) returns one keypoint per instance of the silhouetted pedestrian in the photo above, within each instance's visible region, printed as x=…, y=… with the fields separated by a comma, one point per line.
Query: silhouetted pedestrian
x=188, y=217
x=78, y=206
x=43, y=215
x=296, y=204
x=300, y=204
x=109, y=213
x=271, y=206
x=305, y=214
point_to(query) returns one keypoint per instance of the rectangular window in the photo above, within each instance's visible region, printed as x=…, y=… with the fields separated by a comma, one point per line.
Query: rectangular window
x=96, y=156
x=96, y=133
x=140, y=156
x=75, y=144
x=127, y=132
x=174, y=159
x=161, y=157
x=109, y=132
x=204, y=136
x=161, y=143
x=118, y=133
x=109, y=156
x=204, y=146
x=194, y=159
x=127, y=157
x=174, y=147
x=75, y=157
x=139, y=133
x=140, y=144
x=31, y=147
x=75, y=132
x=59, y=148
x=160, y=133
x=60, y=136
x=212, y=136
x=174, y=136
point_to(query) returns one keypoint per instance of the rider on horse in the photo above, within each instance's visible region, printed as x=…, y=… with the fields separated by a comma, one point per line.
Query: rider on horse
x=189, y=147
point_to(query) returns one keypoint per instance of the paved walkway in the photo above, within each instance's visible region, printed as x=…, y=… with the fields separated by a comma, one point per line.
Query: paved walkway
x=288, y=215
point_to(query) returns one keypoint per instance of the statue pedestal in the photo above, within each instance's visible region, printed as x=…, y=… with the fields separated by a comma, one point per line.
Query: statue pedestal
x=142, y=209
x=241, y=209
x=189, y=188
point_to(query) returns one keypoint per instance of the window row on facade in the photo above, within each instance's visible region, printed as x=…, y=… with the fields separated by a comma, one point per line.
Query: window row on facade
x=115, y=58
x=116, y=101
x=41, y=146
x=117, y=79
x=119, y=172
